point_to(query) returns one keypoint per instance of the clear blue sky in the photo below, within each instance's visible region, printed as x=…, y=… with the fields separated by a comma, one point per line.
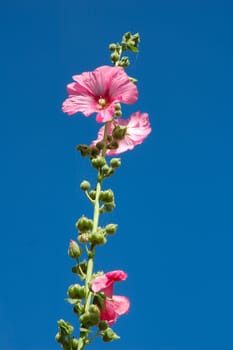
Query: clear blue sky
x=174, y=192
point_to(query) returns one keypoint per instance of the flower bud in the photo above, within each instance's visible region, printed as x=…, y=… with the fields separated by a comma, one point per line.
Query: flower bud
x=76, y=291
x=108, y=335
x=103, y=325
x=85, y=185
x=98, y=162
x=92, y=194
x=65, y=328
x=89, y=319
x=78, y=309
x=94, y=151
x=109, y=207
x=74, y=250
x=118, y=114
x=110, y=229
x=115, y=56
x=119, y=132
x=112, y=47
x=106, y=196
x=115, y=162
x=84, y=224
x=59, y=338
x=74, y=343
x=100, y=145
x=97, y=238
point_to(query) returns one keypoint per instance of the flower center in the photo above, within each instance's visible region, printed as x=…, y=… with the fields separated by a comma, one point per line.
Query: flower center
x=102, y=103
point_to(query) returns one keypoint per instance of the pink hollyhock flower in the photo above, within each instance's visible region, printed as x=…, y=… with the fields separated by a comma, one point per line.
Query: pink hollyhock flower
x=132, y=132
x=114, y=305
x=99, y=91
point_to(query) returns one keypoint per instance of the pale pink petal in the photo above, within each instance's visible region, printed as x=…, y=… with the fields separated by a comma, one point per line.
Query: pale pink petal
x=138, y=128
x=122, y=89
x=106, y=83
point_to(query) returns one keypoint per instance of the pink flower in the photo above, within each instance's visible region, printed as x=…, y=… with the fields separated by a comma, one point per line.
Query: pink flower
x=133, y=131
x=99, y=91
x=114, y=305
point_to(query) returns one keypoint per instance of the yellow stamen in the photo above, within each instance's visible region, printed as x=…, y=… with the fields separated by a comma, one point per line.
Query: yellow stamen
x=102, y=103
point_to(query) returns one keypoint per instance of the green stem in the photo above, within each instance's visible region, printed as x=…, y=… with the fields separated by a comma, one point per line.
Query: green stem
x=91, y=253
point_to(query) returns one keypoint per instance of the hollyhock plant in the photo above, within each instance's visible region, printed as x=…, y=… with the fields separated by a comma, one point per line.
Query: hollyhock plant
x=128, y=132
x=114, y=305
x=99, y=91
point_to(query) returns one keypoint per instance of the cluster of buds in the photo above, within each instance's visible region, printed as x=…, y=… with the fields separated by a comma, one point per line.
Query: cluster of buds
x=129, y=42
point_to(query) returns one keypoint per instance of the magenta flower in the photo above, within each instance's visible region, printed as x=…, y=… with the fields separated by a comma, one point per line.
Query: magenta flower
x=114, y=305
x=99, y=91
x=133, y=131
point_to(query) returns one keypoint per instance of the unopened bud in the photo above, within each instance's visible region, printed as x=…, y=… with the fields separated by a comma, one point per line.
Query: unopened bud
x=115, y=56
x=97, y=238
x=74, y=250
x=103, y=325
x=112, y=47
x=89, y=319
x=76, y=291
x=85, y=185
x=74, y=343
x=110, y=229
x=109, y=335
x=119, y=132
x=84, y=224
x=115, y=162
x=59, y=338
x=98, y=162
x=65, y=328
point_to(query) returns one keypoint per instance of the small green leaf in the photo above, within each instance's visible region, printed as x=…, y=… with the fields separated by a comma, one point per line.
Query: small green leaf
x=133, y=48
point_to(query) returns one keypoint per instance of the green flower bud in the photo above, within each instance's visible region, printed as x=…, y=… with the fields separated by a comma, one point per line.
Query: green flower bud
x=89, y=319
x=97, y=238
x=118, y=114
x=94, y=309
x=115, y=56
x=100, y=145
x=108, y=335
x=76, y=291
x=127, y=35
x=98, y=162
x=103, y=325
x=109, y=207
x=110, y=229
x=107, y=196
x=74, y=343
x=112, y=47
x=115, y=162
x=85, y=185
x=65, y=328
x=117, y=107
x=84, y=224
x=74, y=250
x=59, y=338
x=119, y=132
x=92, y=194
x=94, y=151
x=78, y=309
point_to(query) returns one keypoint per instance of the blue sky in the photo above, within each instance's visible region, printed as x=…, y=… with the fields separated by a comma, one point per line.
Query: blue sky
x=173, y=193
